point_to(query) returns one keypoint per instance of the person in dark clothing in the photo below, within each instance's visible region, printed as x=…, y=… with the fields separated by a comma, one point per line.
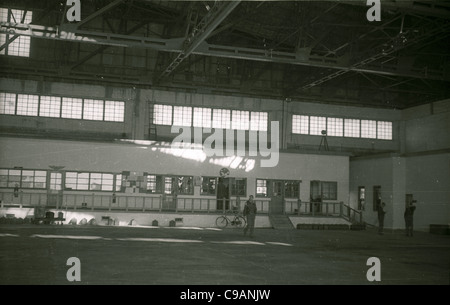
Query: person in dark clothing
x=250, y=214
x=381, y=212
x=409, y=217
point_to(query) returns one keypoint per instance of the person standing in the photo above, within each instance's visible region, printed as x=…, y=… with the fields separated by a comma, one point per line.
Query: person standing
x=409, y=217
x=381, y=212
x=250, y=214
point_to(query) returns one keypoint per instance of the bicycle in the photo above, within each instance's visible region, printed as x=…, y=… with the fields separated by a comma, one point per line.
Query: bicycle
x=238, y=221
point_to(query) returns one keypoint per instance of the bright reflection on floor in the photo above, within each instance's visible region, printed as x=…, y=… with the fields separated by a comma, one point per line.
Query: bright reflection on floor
x=67, y=236
x=239, y=242
x=166, y=240
x=8, y=235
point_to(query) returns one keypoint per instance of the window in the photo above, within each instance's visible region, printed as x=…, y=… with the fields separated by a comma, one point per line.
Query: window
x=261, y=188
x=335, y=127
x=23, y=178
x=323, y=190
x=238, y=186
x=221, y=118
x=351, y=128
x=292, y=189
x=18, y=46
x=361, y=197
x=7, y=103
x=101, y=182
x=208, y=186
x=27, y=104
x=50, y=106
x=71, y=108
x=240, y=120
x=118, y=182
x=77, y=181
x=55, y=181
x=329, y=190
x=167, y=185
x=162, y=115
x=182, y=116
x=184, y=185
x=300, y=124
x=202, y=117
x=154, y=184
x=384, y=130
x=258, y=121
x=317, y=124
x=368, y=129
x=93, y=110
x=114, y=111
x=33, y=179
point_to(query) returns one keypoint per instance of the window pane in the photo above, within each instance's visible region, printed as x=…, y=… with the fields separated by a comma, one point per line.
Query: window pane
x=50, y=106
x=27, y=104
x=114, y=111
x=162, y=115
x=182, y=116
x=335, y=127
x=208, y=186
x=71, y=108
x=93, y=110
x=317, y=124
x=368, y=129
x=221, y=118
x=258, y=121
x=300, y=124
x=351, y=128
x=202, y=117
x=118, y=182
x=261, y=187
x=7, y=103
x=240, y=120
x=384, y=130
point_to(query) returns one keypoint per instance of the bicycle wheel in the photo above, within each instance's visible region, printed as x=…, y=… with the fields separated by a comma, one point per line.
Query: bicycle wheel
x=221, y=221
x=240, y=222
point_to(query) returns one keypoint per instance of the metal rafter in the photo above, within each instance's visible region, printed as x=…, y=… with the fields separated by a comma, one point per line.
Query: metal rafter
x=200, y=32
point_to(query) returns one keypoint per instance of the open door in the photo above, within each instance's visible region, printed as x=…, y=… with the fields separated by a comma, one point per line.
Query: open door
x=55, y=190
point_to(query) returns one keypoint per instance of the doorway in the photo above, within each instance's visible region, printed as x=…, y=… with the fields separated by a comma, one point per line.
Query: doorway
x=276, y=196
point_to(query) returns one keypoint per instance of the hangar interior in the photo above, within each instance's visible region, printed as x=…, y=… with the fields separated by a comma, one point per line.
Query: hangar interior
x=93, y=95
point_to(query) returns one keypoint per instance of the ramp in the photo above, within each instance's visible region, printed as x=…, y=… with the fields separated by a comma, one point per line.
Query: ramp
x=280, y=222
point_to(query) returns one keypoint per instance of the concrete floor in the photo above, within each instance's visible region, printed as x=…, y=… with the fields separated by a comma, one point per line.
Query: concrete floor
x=37, y=254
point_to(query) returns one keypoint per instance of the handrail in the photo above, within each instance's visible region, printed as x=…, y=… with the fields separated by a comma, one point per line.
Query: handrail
x=352, y=217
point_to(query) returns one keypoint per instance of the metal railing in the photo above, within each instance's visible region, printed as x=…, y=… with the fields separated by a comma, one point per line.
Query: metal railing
x=172, y=203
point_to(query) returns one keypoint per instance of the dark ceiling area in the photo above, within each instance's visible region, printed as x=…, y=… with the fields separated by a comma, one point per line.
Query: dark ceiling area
x=313, y=51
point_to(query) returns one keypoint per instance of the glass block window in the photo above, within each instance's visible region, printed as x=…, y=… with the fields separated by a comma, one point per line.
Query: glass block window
x=7, y=103
x=114, y=111
x=50, y=106
x=300, y=124
x=93, y=110
x=71, y=108
x=162, y=115
x=317, y=124
x=202, y=117
x=240, y=120
x=27, y=104
x=182, y=116
x=221, y=118
x=368, y=129
x=384, y=130
x=259, y=121
x=335, y=127
x=351, y=128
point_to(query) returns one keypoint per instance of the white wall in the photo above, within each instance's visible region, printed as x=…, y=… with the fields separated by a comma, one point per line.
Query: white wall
x=118, y=157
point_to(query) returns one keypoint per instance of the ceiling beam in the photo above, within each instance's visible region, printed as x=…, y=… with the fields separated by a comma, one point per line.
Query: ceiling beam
x=201, y=47
x=200, y=32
